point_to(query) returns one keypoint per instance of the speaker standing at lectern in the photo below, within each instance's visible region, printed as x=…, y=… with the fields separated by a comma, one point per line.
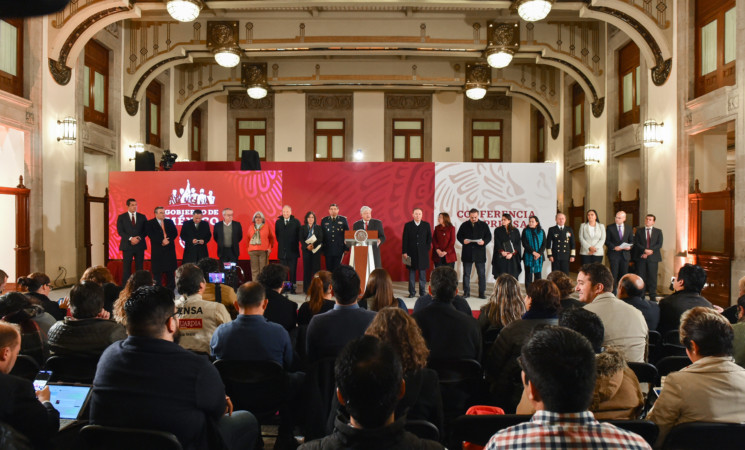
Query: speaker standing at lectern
x=367, y=223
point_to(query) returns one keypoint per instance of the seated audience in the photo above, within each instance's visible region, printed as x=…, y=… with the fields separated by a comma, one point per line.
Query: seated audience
x=739, y=333
x=197, y=319
x=558, y=372
x=617, y=394
x=505, y=305
x=449, y=334
x=136, y=280
x=319, y=298
x=329, y=332
x=3, y=281
x=88, y=331
x=149, y=381
x=687, y=286
x=29, y=413
x=102, y=276
x=501, y=365
x=460, y=303
x=566, y=289
x=379, y=292
x=369, y=380
x=226, y=293
x=15, y=308
x=37, y=287
x=280, y=309
x=712, y=389
x=631, y=290
x=625, y=327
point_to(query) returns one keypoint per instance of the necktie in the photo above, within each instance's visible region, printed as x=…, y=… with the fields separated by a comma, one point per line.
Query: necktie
x=133, y=218
x=310, y=231
x=620, y=231
x=648, y=237
x=162, y=227
x=561, y=228
x=286, y=222
x=365, y=225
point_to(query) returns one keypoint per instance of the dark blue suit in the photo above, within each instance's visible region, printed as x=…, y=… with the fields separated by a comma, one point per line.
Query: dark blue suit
x=137, y=252
x=619, y=260
x=329, y=332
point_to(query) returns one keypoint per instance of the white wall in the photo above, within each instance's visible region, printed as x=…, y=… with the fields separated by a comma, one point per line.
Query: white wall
x=217, y=122
x=447, y=126
x=368, y=126
x=289, y=121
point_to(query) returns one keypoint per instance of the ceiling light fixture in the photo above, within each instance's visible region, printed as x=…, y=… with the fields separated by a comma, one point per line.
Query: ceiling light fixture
x=503, y=41
x=253, y=77
x=533, y=10
x=478, y=77
x=184, y=10
x=228, y=56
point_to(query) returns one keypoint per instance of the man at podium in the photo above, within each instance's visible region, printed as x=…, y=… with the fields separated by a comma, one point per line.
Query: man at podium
x=367, y=223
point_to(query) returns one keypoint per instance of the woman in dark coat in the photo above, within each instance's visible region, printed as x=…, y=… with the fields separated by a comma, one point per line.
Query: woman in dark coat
x=311, y=261
x=37, y=287
x=443, y=242
x=534, y=243
x=506, y=257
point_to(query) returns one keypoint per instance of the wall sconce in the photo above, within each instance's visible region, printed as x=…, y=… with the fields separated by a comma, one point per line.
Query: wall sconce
x=222, y=40
x=478, y=77
x=503, y=41
x=533, y=10
x=592, y=154
x=137, y=147
x=184, y=10
x=253, y=77
x=358, y=155
x=652, y=133
x=67, y=130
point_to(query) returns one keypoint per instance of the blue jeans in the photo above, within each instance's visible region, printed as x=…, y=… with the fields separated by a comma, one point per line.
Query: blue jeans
x=412, y=281
x=480, y=271
x=239, y=431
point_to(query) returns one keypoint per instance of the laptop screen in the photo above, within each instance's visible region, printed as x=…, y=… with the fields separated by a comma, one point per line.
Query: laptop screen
x=69, y=400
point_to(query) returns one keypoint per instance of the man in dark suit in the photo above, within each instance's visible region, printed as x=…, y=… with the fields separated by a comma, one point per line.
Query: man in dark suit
x=195, y=234
x=31, y=414
x=367, y=223
x=687, y=285
x=618, y=240
x=279, y=309
x=162, y=233
x=334, y=227
x=647, y=245
x=631, y=291
x=473, y=236
x=416, y=244
x=131, y=228
x=560, y=245
x=228, y=235
x=287, y=232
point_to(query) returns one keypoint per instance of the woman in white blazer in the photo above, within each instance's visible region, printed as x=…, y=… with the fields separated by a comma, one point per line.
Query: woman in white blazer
x=591, y=239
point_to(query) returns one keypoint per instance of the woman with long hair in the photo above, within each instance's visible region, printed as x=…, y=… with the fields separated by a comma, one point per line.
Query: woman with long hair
x=102, y=277
x=319, y=298
x=534, y=243
x=566, y=289
x=443, y=242
x=505, y=305
x=138, y=279
x=37, y=287
x=311, y=236
x=379, y=292
x=260, y=242
x=507, y=249
x=591, y=239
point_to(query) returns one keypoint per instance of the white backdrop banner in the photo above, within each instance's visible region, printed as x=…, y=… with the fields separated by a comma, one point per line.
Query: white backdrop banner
x=519, y=189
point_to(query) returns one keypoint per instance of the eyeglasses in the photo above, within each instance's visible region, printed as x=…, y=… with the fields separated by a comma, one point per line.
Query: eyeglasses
x=172, y=316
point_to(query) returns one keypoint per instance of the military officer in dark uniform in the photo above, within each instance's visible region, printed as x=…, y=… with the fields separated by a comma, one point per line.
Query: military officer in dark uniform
x=560, y=245
x=334, y=227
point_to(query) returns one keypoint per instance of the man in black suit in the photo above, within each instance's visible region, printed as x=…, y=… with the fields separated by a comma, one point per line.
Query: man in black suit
x=631, y=291
x=287, y=232
x=560, y=245
x=131, y=228
x=619, y=240
x=31, y=414
x=228, y=235
x=473, y=236
x=195, y=234
x=647, y=245
x=279, y=309
x=162, y=233
x=416, y=244
x=367, y=223
x=688, y=285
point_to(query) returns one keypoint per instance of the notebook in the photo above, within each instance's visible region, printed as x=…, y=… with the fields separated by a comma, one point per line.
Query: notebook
x=70, y=400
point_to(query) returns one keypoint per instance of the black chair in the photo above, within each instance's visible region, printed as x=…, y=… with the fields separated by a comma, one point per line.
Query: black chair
x=671, y=345
x=320, y=387
x=97, y=437
x=25, y=367
x=423, y=429
x=646, y=373
x=489, y=337
x=461, y=385
x=644, y=428
x=479, y=429
x=11, y=438
x=654, y=346
x=671, y=364
x=72, y=369
x=698, y=435
x=257, y=386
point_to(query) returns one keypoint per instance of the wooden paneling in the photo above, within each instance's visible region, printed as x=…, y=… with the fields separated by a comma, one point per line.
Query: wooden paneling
x=23, y=230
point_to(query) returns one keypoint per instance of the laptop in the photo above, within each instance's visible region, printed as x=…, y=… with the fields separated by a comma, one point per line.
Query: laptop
x=71, y=401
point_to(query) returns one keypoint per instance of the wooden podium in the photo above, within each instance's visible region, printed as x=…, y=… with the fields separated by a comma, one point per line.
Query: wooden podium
x=359, y=241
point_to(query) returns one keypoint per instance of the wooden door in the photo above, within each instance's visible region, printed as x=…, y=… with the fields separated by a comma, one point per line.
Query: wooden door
x=575, y=218
x=87, y=229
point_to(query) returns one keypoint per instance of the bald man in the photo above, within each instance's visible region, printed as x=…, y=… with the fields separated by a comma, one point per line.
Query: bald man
x=631, y=291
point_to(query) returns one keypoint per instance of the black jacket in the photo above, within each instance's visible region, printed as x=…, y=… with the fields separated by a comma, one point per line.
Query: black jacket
x=288, y=242
x=20, y=409
x=673, y=306
x=473, y=252
x=650, y=310
x=373, y=225
x=612, y=240
x=194, y=252
x=416, y=242
x=218, y=235
x=162, y=257
x=126, y=230
x=281, y=310
x=449, y=333
x=392, y=437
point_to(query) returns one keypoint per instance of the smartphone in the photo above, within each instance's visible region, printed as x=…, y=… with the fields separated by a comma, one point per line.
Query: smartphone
x=41, y=380
x=287, y=285
x=216, y=277
x=228, y=265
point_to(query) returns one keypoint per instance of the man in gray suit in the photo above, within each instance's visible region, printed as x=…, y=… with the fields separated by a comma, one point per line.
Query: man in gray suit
x=367, y=223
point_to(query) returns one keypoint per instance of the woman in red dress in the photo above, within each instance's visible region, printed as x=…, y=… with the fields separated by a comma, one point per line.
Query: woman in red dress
x=443, y=242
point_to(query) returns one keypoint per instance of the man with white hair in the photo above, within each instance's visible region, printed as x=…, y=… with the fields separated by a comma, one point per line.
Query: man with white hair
x=367, y=223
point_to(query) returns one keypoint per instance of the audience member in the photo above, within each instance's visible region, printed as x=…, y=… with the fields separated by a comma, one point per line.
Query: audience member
x=280, y=309
x=505, y=305
x=319, y=298
x=449, y=334
x=197, y=318
x=501, y=365
x=88, y=331
x=37, y=287
x=617, y=394
x=149, y=381
x=687, y=286
x=459, y=303
x=558, y=372
x=379, y=292
x=29, y=413
x=369, y=380
x=102, y=276
x=329, y=332
x=631, y=291
x=136, y=280
x=3, y=281
x=739, y=333
x=225, y=295
x=15, y=308
x=712, y=389
x=566, y=289
x=625, y=326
